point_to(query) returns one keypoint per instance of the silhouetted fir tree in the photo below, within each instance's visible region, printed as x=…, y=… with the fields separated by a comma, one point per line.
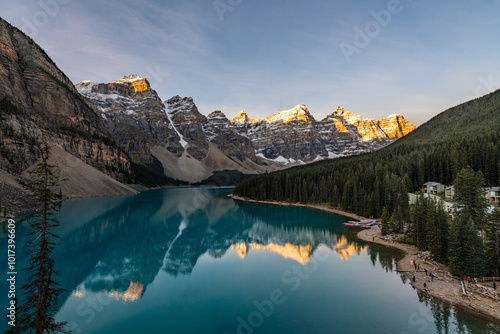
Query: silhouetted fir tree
x=41, y=292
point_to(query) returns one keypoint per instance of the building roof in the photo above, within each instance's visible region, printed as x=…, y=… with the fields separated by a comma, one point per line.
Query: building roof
x=432, y=184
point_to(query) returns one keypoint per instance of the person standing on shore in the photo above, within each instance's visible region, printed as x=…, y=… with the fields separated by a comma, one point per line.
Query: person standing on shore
x=468, y=279
x=494, y=286
x=415, y=264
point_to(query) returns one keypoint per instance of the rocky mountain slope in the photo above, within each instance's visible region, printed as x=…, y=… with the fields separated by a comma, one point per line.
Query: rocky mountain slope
x=38, y=101
x=188, y=145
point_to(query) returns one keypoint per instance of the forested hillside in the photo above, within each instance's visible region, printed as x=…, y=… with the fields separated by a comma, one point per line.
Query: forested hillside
x=464, y=135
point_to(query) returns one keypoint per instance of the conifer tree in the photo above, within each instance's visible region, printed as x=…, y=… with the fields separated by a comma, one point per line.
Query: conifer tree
x=397, y=221
x=437, y=231
x=469, y=192
x=41, y=292
x=385, y=222
x=419, y=216
x=492, y=245
x=431, y=228
x=475, y=264
x=456, y=251
x=443, y=234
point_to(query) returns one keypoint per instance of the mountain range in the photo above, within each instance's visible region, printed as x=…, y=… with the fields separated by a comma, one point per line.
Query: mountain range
x=192, y=146
x=108, y=137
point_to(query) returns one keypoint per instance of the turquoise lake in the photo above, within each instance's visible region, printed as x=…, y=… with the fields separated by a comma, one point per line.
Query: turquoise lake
x=192, y=260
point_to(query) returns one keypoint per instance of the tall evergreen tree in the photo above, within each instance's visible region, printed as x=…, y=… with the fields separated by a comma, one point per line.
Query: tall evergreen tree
x=475, y=264
x=443, y=234
x=437, y=231
x=385, y=222
x=419, y=218
x=397, y=221
x=41, y=292
x=492, y=244
x=456, y=251
x=466, y=250
x=430, y=228
x=470, y=193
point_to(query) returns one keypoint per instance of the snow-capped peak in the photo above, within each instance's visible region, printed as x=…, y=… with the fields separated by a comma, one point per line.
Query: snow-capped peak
x=139, y=83
x=241, y=118
x=180, y=104
x=299, y=113
x=85, y=85
x=130, y=78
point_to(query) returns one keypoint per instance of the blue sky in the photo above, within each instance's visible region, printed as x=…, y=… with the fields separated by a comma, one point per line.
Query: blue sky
x=419, y=58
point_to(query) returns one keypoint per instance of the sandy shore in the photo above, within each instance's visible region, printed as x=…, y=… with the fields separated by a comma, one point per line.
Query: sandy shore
x=481, y=299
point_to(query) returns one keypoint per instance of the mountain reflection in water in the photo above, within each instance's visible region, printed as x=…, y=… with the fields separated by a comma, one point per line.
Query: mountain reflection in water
x=120, y=251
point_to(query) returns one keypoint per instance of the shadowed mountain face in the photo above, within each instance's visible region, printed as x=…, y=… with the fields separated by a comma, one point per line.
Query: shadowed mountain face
x=38, y=100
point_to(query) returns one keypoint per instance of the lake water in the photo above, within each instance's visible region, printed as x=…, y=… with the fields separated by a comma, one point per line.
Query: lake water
x=195, y=261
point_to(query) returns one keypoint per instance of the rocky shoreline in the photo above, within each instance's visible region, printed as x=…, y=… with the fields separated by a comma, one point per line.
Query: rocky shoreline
x=479, y=298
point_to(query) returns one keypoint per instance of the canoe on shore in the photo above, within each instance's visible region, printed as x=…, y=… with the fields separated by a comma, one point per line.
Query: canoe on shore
x=361, y=224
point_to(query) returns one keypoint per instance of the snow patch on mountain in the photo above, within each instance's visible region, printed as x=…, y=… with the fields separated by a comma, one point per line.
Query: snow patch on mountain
x=184, y=144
